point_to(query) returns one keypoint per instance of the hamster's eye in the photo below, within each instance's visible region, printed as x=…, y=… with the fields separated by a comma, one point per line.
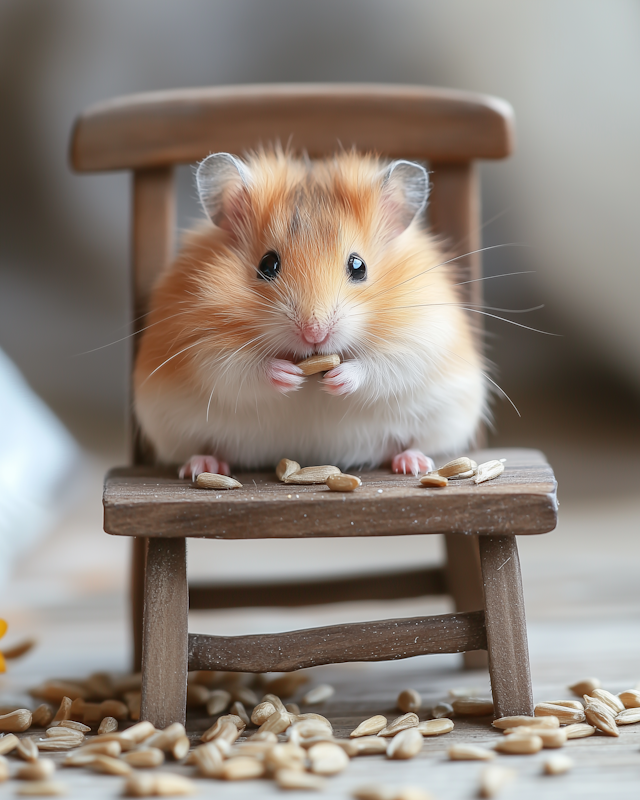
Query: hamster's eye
x=269, y=266
x=356, y=268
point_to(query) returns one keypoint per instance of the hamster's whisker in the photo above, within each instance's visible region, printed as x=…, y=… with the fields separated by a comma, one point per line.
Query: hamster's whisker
x=444, y=264
x=476, y=311
x=130, y=335
x=175, y=355
x=492, y=277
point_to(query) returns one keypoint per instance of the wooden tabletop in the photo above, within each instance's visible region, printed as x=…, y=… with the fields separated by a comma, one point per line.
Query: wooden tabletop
x=143, y=501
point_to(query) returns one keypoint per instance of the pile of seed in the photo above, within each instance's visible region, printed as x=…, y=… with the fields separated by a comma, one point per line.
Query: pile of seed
x=295, y=749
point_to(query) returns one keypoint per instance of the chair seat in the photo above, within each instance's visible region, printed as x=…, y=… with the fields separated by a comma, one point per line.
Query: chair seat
x=151, y=502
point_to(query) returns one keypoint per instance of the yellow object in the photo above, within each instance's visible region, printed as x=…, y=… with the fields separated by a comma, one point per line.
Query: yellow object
x=3, y=630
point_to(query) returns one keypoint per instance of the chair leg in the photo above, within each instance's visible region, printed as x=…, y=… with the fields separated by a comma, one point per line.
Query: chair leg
x=165, y=633
x=138, y=556
x=465, y=584
x=506, y=626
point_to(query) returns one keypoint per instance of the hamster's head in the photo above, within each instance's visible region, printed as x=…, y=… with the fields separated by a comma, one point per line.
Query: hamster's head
x=316, y=257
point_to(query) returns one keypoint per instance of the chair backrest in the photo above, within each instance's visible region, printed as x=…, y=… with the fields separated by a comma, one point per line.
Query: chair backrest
x=151, y=133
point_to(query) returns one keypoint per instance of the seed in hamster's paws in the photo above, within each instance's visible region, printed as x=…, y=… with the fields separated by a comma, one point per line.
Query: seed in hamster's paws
x=346, y=378
x=412, y=462
x=284, y=375
x=196, y=465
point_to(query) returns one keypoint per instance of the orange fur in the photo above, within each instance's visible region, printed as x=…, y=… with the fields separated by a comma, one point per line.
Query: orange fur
x=211, y=304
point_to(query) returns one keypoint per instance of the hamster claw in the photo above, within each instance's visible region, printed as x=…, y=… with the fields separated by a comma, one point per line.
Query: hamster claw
x=412, y=462
x=199, y=464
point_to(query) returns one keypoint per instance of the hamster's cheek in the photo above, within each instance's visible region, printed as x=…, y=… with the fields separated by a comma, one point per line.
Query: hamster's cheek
x=346, y=378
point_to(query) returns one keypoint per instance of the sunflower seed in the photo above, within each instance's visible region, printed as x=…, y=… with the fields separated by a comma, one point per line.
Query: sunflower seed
x=473, y=707
x=42, y=789
x=628, y=717
x=470, y=752
x=488, y=471
x=285, y=468
x=294, y=779
x=435, y=727
x=312, y=475
x=558, y=764
x=406, y=744
x=208, y=760
x=209, y=480
x=17, y=721
x=285, y=756
x=630, y=698
x=262, y=712
x=585, y=686
x=27, y=749
x=579, y=730
x=327, y=759
x=343, y=482
x=40, y=770
x=409, y=720
x=159, y=784
x=514, y=722
x=601, y=719
x=42, y=716
x=320, y=363
x=493, y=779
x=611, y=700
x=108, y=725
x=318, y=694
x=441, y=710
x=565, y=715
x=456, y=467
x=242, y=769
x=8, y=743
x=370, y=726
x=519, y=745
x=434, y=480
x=409, y=700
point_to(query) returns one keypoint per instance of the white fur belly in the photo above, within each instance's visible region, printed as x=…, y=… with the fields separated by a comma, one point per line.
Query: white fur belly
x=312, y=427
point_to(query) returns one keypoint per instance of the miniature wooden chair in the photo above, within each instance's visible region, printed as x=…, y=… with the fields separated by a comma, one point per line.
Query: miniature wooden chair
x=151, y=133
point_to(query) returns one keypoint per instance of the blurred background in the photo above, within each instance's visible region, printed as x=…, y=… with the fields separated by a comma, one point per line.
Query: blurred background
x=571, y=70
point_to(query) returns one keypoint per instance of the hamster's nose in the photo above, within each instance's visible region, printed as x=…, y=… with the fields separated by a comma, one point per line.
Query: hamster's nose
x=314, y=332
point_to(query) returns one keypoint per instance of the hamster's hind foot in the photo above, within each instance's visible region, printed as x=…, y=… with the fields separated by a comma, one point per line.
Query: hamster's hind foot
x=412, y=462
x=196, y=465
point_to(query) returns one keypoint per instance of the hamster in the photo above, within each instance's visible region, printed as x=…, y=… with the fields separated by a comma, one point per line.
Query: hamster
x=297, y=258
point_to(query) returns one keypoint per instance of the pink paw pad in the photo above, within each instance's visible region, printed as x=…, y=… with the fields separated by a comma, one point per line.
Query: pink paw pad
x=284, y=375
x=412, y=462
x=196, y=465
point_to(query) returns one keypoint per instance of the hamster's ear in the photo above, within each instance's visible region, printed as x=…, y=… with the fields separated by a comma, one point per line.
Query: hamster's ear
x=405, y=188
x=223, y=182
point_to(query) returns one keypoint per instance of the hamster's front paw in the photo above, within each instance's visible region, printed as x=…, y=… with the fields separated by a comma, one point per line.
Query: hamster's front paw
x=199, y=464
x=346, y=378
x=284, y=375
x=412, y=462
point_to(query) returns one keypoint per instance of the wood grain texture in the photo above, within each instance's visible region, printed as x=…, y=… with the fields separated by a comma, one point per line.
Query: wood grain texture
x=464, y=584
x=386, y=640
x=164, y=642
x=146, y=502
x=136, y=595
x=506, y=626
x=185, y=125
x=454, y=215
x=377, y=586
x=152, y=248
